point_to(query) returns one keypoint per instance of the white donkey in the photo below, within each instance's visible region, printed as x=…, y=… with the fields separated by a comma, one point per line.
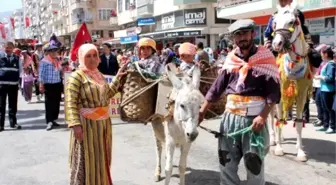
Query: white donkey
x=295, y=72
x=179, y=129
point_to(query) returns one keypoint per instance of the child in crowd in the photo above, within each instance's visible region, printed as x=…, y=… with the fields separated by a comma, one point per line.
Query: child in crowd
x=187, y=53
x=27, y=83
x=149, y=61
x=328, y=89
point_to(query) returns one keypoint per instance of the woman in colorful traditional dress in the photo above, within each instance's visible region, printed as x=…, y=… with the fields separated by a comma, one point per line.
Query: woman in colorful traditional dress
x=87, y=99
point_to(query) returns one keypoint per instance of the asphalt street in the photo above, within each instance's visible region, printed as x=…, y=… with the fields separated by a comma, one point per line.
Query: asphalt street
x=34, y=156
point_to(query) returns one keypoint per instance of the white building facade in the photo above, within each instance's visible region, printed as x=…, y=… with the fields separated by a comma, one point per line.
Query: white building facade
x=18, y=29
x=64, y=18
x=171, y=21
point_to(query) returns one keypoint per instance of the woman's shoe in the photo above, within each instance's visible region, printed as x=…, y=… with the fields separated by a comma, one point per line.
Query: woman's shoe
x=330, y=131
x=322, y=129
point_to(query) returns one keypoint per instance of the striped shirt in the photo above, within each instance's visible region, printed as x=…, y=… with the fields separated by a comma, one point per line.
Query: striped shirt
x=48, y=74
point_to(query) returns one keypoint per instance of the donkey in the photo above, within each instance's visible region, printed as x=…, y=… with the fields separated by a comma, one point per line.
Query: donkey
x=180, y=128
x=295, y=72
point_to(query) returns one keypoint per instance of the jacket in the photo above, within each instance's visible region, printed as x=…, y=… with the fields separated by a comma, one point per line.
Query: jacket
x=9, y=69
x=112, y=67
x=328, y=81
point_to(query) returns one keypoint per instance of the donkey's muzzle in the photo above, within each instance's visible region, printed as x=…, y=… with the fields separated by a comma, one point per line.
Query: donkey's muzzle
x=192, y=136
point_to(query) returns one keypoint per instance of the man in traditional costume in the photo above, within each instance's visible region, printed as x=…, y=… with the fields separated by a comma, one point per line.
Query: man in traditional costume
x=87, y=100
x=250, y=80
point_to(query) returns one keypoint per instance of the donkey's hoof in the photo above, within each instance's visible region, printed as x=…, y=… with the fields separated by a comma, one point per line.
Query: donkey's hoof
x=302, y=158
x=157, y=178
x=278, y=152
x=272, y=142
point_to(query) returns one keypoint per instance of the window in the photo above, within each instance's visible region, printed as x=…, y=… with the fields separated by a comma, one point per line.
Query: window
x=120, y=6
x=110, y=33
x=127, y=4
x=104, y=14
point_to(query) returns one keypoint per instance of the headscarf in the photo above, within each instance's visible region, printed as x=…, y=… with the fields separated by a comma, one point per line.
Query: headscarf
x=187, y=49
x=94, y=74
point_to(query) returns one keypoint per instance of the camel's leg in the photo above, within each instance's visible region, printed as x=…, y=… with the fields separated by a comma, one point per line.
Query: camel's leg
x=170, y=147
x=278, y=149
x=270, y=124
x=301, y=100
x=183, y=162
x=158, y=132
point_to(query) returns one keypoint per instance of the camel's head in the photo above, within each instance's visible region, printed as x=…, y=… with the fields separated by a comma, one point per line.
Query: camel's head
x=286, y=26
x=188, y=100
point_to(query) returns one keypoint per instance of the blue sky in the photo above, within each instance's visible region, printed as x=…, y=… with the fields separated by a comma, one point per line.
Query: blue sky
x=10, y=5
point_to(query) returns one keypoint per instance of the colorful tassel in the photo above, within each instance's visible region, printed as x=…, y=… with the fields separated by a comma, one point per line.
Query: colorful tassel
x=298, y=58
x=273, y=34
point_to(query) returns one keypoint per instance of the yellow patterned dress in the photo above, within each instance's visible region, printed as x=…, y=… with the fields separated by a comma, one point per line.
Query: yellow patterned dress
x=90, y=159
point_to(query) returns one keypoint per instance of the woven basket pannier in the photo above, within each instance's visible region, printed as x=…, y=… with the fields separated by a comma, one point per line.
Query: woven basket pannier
x=141, y=108
x=208, y=76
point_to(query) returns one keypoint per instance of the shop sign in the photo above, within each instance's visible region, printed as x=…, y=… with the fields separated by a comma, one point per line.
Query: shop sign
x=167, y=21
x=146, y=21
x=195, y=17
x=129, y=39
x=315, y=4
x=176, y=34
x=232, y=3
x=133, y=31
x=182, y=34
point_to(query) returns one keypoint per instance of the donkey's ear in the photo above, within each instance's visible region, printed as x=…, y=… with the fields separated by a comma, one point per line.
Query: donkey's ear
x=196, y=77
x=177, y=83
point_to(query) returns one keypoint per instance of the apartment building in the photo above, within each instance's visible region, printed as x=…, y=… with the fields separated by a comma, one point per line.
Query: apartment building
x=18, y=24
x=64, y=18
x=170, y=21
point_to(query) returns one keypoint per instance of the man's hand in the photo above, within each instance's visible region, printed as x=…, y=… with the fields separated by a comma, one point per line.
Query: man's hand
x=41, y=88
x=258, y=123
x=78, y=132
x=201, y=117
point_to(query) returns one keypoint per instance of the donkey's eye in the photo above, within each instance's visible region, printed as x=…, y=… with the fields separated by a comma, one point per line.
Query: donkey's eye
x=182, y=106
x=291, y=23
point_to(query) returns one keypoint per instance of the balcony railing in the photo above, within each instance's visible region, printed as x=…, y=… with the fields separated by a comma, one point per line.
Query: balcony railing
x=81, y=17
x=75, y=4
x=113, y=21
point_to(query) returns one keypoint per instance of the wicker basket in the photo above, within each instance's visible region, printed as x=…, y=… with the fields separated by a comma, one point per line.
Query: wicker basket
x=208, y=76
x=142, y=107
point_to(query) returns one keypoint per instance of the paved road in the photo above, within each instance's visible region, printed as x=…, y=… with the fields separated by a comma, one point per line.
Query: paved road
x=33, y=156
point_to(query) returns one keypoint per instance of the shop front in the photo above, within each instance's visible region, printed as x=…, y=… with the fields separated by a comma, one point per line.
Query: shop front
x=187, y=25
x=319, y=17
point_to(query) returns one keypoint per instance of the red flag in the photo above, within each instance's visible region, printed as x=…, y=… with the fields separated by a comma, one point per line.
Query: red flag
x=27, y=22
x=2, y=31
x=12, y=21
x=82, y=36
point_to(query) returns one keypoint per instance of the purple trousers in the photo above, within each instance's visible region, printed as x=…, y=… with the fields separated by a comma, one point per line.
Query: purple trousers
x=28, y=90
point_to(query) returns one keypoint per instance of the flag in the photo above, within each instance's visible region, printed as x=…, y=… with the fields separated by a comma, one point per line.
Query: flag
x=82, y=36
x=27, y=22
x=2, y=31
x=12, y=21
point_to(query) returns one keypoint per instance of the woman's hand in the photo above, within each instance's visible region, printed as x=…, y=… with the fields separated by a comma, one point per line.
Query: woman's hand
x=121, y=71
x=78, y=132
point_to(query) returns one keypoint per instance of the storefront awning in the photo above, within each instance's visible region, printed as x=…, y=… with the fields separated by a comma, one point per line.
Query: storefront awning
x=183, y=32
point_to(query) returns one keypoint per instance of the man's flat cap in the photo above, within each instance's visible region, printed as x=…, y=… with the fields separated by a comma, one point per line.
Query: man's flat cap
x=242, y=24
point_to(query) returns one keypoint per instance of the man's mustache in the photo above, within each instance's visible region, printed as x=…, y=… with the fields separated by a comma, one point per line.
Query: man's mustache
x=243, y=41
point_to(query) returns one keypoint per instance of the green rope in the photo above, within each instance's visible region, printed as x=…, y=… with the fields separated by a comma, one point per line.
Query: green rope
x=256, y=139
